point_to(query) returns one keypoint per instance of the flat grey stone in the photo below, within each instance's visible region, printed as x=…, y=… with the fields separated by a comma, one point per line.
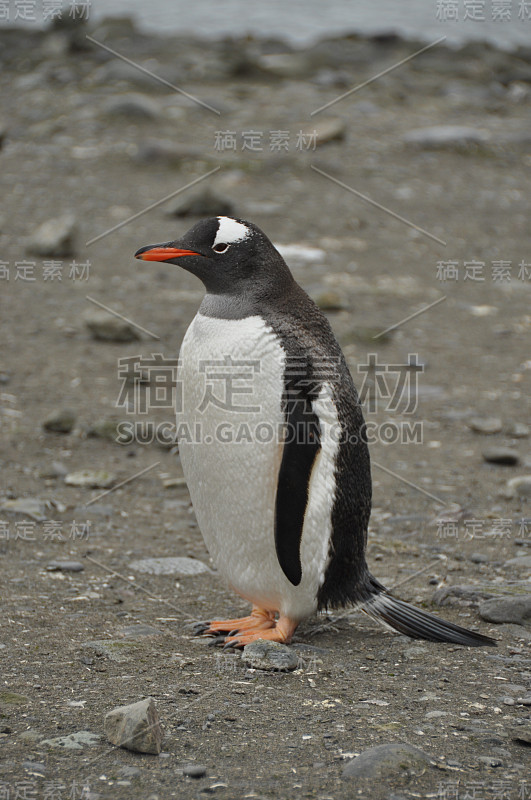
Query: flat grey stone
x=194, y=771
x=387, y=761
x=520, y=486
x=33, y=507
x=519, y=563
x=507, y=609
x=117, y=650
x=465, y=592
x=522, y=733
x=203, y=203
x=74, y=741
x=441, y=137
x=486, y=425
x=90, y=479
x=65, y=566
x=135, y=727
x=170, y=566
x=267, y=655
x=60, y=421
x=107, y=328
x=519, y=430
x=132, y=105
x=54, y=238
x=504, y=456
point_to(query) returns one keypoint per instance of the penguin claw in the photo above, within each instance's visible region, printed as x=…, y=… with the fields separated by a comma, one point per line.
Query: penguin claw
x=200, y=627
x=229, y=644
x=216, y=640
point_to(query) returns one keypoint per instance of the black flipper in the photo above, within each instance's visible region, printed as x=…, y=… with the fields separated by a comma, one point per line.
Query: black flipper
x=420, y=624
x=301, y=446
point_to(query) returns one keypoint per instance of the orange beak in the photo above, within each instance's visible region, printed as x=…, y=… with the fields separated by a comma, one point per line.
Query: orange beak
x=158, y=253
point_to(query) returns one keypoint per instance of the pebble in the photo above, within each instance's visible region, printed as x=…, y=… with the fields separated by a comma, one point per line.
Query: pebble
x=525, y=701
x=60, y=421
x=501, y=455
x=55, y=470
x=74, y=741
x=129, y=772
x=204, y=203
x=116, y=650
x=166, y=152
x=301, y=253
x=104, y=429
x=194, y=771
x=267, y=655
x=330, y=301
x=328, y=130
x=54, y=238
x=91, y=479
x=170, y=566
x=65, y=566
x=32, y=507
x=471, y=594
x=507, y=609
x=522, y=733
x=521, y=562
x=387, y=761
x=446, y=137
x=285, y=65
x=517, y=430
x=135, y=727
x=34, y=768
x=479, y=558
x=132, y=105
x=520, y=486
x=486, y=425
x=105, y=327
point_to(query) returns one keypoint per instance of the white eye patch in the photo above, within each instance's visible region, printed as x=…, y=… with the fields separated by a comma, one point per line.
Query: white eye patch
x=230, y=231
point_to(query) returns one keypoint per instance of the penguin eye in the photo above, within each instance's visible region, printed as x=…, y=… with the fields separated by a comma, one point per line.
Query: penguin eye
x=220, y=248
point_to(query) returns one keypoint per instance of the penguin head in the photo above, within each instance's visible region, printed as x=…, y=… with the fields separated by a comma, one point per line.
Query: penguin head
x=229, y=255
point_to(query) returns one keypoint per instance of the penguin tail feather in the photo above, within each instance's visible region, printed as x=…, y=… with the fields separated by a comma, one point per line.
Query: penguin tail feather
x=417, y=624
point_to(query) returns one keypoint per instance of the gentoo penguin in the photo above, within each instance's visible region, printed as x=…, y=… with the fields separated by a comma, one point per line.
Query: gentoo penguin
x=272, y=444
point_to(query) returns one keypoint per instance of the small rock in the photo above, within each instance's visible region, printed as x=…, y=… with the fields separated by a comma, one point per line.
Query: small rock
x=520, y=562
x=108, y=328
x=525, y=701
x=116, y=650
x=74, y=741
x=522, y=733
x=12, y=698
x=30, y=736
x=518, y=430
x=386, y=761
x=129, y=772
x=507, y=609
x=520, y=486
x=65, y=566
x=479, y=558
x=491, y=761
x=166, y=152
x=104, y=429
x=34, y=768
x=91, y=479
x=135, y=727
x=301, y=253
x=170, y=566
x=330, y=301
x=32, y=507
x=60, y=421
x=204, y=203
x=55, y=470
x=132, y=105
x=470, y=594
x=328, y=130
x=446, y=137
x=486, y=425
x=285, y=65
x=267, y=655
x=55, y=237
x=194, y=771
x=501, y=455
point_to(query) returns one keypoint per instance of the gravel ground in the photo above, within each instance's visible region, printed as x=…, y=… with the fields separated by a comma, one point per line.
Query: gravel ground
x=85, y=134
